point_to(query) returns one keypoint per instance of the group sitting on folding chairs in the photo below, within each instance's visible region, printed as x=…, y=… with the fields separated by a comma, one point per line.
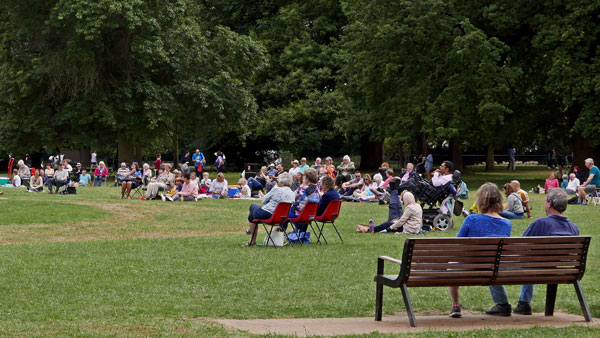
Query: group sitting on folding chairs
x=281, y=206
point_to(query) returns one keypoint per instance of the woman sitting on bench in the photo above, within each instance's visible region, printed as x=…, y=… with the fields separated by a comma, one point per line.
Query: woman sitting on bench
x=488, y=223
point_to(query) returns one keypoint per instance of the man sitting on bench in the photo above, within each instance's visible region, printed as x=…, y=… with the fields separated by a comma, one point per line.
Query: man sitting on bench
x=555, y=224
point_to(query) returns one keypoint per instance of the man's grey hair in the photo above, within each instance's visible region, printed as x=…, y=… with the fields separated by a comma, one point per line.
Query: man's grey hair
x=558, y=197
x=20, y=163
x=346, y=157
x=285, y=179
x=589, y=160
x=409, y=165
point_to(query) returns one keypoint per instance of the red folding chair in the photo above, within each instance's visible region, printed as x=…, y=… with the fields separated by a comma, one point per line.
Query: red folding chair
x=279, y=217
x=330, y=214
x=307, y=216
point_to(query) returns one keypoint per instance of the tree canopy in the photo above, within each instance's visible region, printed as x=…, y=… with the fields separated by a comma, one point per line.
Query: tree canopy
x=312, y=77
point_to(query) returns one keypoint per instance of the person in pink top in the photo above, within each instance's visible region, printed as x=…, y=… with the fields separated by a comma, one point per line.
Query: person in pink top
x=551, y=182
x=188, y=192
x=100, y=174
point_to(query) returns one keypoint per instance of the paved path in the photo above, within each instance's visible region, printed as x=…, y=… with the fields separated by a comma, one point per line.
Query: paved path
x=399, y=324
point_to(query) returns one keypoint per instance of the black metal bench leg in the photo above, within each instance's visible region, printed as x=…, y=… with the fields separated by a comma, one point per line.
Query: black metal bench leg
x=338, y=233
x=321, y=232
x=315, y=232
x=409, y=310
x=550, y=298
x=379, y=301
x=269, y=236
x=584, y=305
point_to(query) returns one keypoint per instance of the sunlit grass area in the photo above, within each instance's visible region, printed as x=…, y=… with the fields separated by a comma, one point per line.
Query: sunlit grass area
x=92, y=264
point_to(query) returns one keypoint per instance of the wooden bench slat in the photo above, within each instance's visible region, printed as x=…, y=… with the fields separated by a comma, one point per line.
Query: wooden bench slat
x=536, y=246
x=540, y=252
x=455, y=240
x=457, y=253
x=473, y=281
x=534, y=272
x=545, y=240
x=453, y=247
x=536, y=280
x=432, y=259
x=451, y=273
x=540, y=264
x=444, y=266
x=564, y=258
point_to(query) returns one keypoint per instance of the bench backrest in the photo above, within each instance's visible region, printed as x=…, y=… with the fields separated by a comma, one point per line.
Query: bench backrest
x=493, y=260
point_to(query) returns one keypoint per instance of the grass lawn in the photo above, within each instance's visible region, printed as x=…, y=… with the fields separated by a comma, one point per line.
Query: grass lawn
x=94, y=265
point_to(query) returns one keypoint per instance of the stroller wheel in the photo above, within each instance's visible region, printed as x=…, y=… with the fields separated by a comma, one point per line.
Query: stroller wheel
x=443, y=222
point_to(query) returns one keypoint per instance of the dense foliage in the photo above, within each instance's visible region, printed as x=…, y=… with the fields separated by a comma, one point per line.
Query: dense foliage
x=304, y=76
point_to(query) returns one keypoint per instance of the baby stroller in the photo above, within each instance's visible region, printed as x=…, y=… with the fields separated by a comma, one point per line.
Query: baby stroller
x=438, y=203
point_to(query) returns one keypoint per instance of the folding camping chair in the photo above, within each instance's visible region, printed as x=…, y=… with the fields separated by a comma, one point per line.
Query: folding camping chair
x=307, y=216
x=140, y=190
x=330, y=214
x=279, y=217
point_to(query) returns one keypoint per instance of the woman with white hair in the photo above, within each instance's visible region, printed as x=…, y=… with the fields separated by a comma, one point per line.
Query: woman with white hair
x=410, y=222
x=24, y=171
x=345, y=170
x=100, y=174
x=147, y=172
x=279, y=193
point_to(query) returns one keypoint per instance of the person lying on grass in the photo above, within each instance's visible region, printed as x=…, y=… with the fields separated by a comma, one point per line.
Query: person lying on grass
x=488, y=223
x=280, y=193
x=410, y=222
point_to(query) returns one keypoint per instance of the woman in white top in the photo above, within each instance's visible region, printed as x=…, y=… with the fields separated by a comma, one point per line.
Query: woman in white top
x=368, y=189
x=410, y=222
x=219, y=187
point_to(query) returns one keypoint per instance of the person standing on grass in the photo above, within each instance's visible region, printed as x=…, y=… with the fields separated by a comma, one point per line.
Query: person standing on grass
x=487, y=223
x=157, y=164
x=554, y=224
x=511, y=159
x=590, y=184
x=199, y=161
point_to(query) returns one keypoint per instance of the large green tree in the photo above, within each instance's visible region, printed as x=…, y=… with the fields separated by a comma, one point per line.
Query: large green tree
x=79, y=72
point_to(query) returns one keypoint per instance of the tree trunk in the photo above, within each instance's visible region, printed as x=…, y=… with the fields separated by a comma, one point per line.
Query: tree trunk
x=579, y=145
x=371, y=153
x=421, y=143
x=125, y=149
x=489, y=161
x=456, y=153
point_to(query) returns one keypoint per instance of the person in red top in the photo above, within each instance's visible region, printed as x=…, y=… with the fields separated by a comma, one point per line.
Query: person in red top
x=551, y=182
x=157, y=164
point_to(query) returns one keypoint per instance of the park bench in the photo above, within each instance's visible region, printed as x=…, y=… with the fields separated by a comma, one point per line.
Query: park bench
x=487, y=261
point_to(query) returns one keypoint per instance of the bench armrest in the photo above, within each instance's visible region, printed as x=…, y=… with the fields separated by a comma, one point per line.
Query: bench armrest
x=382, y=259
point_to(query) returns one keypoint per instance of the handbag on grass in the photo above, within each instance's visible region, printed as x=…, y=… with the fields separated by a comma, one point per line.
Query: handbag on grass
x=276, y=237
